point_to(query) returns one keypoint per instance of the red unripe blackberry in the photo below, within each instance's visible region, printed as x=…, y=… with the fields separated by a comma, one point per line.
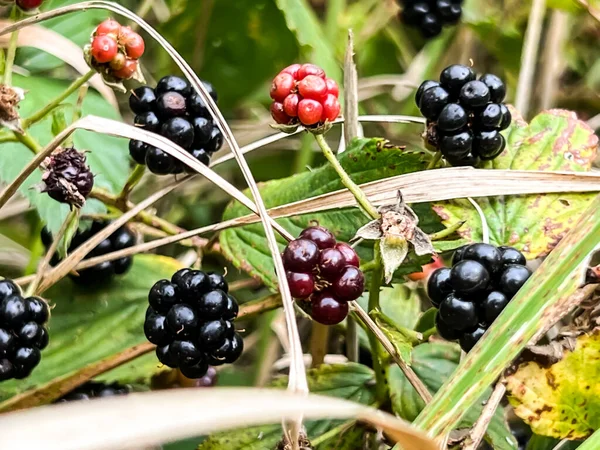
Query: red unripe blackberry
x=290, y=105
x=127, y=71
x=301, y=255
x=133, y=42
x=292, y=70
x=350, y=285
x=309, y=112
x=332, y=87
x=312, y=87
x=282, y=86
x=331, y=108
x=349, y=253
x=302, y=285
x=29, y=4
x=310, y=69
x=279, y=115
x=320, y=236
x=109, y=26
x=331, y=263
x=327, y=309
x=104, y=49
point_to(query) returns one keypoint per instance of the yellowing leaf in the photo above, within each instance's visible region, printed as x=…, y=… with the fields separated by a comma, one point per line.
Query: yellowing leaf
x=562, y=401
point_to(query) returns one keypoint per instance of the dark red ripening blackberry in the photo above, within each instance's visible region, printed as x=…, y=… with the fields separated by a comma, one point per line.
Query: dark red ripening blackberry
x=473, y=293
x=465, y=115
x=179, y=114
x=324, y=272
x=190, y=319
x=23, y=331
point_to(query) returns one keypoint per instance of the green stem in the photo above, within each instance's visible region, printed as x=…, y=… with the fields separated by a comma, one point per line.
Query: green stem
x=446, y=231
x=334, y=432
x=265, y=336
x=134, y=178
x=8, y=138
x=434, y=161
x=359, y=195
x=305, y=156
x=374, y=288
x=36, y=117
x=28, y=141
x=12, y=48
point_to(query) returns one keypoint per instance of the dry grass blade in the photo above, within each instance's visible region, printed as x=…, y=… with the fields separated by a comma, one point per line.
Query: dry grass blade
x=59, y=46
x=123, y=422
x=350, y=91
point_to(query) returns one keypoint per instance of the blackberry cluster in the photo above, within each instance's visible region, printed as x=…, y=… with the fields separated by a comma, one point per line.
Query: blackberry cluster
x=302, y=94
x=94, y=389
x=324, y=272
x=174, y=110
x=22, y=331
x=114, y=51
x=429, y=16
x=464, y=115
x=119, y=240
x=190, y=319
x=470, y=295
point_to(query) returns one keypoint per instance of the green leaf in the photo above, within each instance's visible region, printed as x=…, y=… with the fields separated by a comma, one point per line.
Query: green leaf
x=349, y=381
x=365, y=160
x=107, y=157
x=434, y=363
x=547, y=443
x=555, y=140
x=401, y=338
x=561, y=401
x=89, y=325
x=302, y=20
x=426, y=321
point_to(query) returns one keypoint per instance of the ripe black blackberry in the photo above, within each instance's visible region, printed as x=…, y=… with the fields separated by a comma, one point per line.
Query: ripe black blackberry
x=176, y=112
x=94, y=389
x=22, y=331
x=190, y=319
x=429, y=16
x=324, y=272
x=473, y=293
x=464, y=115
x=119, y=240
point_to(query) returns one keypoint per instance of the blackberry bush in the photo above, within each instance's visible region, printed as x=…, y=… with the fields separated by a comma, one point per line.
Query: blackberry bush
x=100, y=273
x=175, y=111
x=473, y=293
x=94, y=389
x=190, y=319
x=430, y=16
x=302, y=94
x=464, y=115
x=323, y=272
x=23, y=333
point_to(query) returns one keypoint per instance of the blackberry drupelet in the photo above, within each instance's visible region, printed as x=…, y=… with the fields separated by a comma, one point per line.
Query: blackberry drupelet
x=430, y=16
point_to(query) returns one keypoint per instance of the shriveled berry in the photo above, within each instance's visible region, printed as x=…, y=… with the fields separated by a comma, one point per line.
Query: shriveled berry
x=156, y=330
x=172, y=83
x=127, y=71
x=496, y=87
x=118, y=62
x=486, y=254
x=292, y=70
x=456, y=145
x=474, y=95
x=350, y=256
x=470, y=338
x=279, y=115
x=439, y=286
x=331, y=263
x=282, y=86
x=469, y=277
x=290, y=105
x=445, y=331
x=331, y=108
x=301, y=255
x=493, y=304
x=310, y=69
x=313, y=87
x=230, y=311
x=453, y=117
x=192, y=284
x=433, y=101
x=142, y=100
x=350, y=285
x=198, y=370
x=109, y=26
x=159, y=162
x=170, y=104
x=309, y=112
x=327, y=309
x=179, y=131
x=213, y=305
x=513, y=278
x=211, y=334
x=163, y=296
x=511, y=255
x=488, y=144
x=301, y=285
x=320, y=236
x=185, y=353
x=182, y=320
x=506, y=117
x=454, y=77
x=458, y=313
x=332, y=87
x=104, y=49
x=148, y=121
